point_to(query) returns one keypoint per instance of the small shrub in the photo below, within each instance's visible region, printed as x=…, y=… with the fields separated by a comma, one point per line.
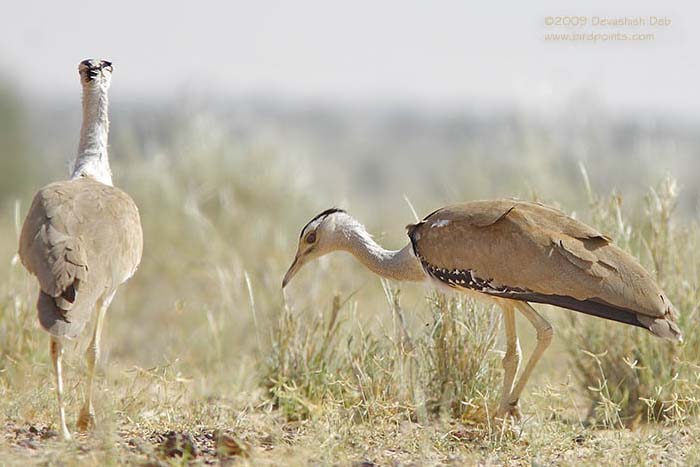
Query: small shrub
x=461, y=368
x=447, y=369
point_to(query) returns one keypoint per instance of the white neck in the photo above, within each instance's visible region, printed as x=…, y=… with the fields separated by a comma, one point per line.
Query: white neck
x=400, y=265
x=92, y=160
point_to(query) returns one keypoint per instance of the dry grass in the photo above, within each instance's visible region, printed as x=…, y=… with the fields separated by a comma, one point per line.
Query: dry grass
x=449, y=370
x=641, y=378
x=345, y=368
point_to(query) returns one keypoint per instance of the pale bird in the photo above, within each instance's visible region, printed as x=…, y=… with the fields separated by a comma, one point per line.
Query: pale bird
x=82, y=238
x=510, y=252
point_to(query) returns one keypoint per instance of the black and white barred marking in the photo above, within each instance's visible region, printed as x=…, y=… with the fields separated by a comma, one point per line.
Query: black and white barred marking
x=461, y=278
x=465, y=279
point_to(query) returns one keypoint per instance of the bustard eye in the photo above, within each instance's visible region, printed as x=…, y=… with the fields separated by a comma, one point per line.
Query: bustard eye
x=311, y=237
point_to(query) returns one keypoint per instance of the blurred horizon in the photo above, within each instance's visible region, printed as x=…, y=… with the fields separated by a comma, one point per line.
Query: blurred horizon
x=370, y=103
x=374, y=156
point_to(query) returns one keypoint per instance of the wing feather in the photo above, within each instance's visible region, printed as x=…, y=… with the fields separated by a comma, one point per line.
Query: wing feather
x=80, y=239
x=521, y=246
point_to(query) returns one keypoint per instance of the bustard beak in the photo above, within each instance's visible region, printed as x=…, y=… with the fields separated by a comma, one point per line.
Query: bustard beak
x=296, y=265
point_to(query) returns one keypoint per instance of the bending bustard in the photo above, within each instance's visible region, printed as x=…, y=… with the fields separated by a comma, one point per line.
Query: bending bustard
x=511, y=252
x=81, y=239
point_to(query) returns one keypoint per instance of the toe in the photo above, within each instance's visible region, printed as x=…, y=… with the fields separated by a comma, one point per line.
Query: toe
x=509, y=410
x=514, y=411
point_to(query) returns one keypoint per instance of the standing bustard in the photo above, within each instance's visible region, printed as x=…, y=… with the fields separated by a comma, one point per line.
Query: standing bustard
x=510, y=252
x=82, y=238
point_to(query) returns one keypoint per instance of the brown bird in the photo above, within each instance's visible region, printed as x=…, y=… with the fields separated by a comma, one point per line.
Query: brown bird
x=510, y=252
x=81, y=239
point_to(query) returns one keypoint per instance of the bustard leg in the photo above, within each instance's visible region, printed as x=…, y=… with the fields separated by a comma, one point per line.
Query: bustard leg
x=56, y=350
x=511, y=360
x=86, y=419
x=544, y=338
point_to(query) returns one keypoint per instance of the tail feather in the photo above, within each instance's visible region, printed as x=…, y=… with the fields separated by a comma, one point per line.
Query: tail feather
x=665, y=327
x=662, y=327
x=54, y=319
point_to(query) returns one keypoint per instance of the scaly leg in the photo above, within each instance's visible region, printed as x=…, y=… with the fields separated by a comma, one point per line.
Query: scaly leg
x=56, y=350
x=511, y=360
x=544, y=338
x=86, y=419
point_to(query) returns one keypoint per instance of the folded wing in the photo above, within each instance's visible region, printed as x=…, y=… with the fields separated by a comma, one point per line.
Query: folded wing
x=530, y=252
x=81, y=239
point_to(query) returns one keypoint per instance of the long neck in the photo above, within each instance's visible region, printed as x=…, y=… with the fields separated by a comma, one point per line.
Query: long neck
x=400, y=265
x=92, y=160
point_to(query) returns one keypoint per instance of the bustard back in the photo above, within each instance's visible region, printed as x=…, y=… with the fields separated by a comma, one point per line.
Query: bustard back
x=510, y=252
x=82, y=238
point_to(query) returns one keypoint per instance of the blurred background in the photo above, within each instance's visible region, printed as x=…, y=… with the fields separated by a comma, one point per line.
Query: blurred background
x=375, y=101
x=234, y=123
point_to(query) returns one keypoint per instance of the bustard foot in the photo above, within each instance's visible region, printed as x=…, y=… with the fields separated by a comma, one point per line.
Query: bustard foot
x=509, y=410
x=66, y=434
x=86, y=419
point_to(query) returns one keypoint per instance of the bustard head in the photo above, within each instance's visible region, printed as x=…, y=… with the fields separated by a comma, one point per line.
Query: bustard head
x=95, y=72
x=320, y=236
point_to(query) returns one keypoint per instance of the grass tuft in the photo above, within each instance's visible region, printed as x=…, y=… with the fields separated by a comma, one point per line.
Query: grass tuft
x=630, y=375
x=447, y=370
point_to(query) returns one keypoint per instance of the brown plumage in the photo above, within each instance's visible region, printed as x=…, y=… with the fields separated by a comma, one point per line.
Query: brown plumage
x=511, y=252
x=81, y=239
x=530, y=252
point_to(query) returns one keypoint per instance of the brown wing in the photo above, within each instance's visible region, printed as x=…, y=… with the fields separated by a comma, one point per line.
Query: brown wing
x=81, y=239
x=531, y=252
